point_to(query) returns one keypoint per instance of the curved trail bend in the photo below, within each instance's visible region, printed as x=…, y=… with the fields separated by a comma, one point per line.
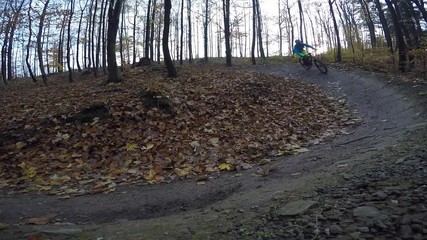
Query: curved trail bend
x=391, y=115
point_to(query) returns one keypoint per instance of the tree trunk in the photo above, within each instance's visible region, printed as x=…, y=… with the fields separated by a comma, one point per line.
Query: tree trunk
x=60, y=56
x=70, y=17
x=331, y=8
x=39, y=42
x=190, y=40
x=95, y=66
x=153, y=16
x=104, y=41
x=420, y=5
x=147, y=32
x=385, y=27
x=227, y=33
x=280, y=30
x=4, y=53
x=369, y=22
x=27, y=56
x=98, y=42
x=121, y=37
x=261, y=48
x=113, y=27
x=400, y=41
x=291, y=26
x=78, y=39
x=168, y=60
x=14, y=24
x=181, y=40
x=253, y=60
x=135, y=15
x=301, y=21
x=205, y=30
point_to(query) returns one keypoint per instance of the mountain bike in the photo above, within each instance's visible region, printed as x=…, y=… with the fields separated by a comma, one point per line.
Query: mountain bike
x=308, y=61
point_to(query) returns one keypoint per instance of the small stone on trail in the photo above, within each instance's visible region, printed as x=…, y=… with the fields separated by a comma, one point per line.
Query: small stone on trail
x=366, y=211
x=381, y=195
x=335, y=229
x=405, y=231
x=363, y=229
x=295, y=208
x=380, y=224
x=406, y=219
x=355, y=235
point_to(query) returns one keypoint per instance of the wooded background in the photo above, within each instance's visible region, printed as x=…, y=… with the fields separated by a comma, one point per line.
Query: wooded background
x=49, y=36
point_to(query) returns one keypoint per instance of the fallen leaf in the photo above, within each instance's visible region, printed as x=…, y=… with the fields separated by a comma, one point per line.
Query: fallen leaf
x=148, y=147
x=150, y=175
x=131, y=147
x=20, y=145
x=225, y=166
x=214, y=142
x=181, y=172
x=3, y=226
x=41, y=220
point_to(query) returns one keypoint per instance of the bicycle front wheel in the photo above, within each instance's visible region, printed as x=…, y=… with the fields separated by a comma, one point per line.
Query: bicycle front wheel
x=321, y=66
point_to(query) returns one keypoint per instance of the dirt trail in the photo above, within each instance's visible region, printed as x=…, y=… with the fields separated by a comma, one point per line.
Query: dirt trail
x=394, y=129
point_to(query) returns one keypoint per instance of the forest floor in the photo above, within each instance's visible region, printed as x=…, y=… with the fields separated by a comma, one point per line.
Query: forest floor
x=262, y=152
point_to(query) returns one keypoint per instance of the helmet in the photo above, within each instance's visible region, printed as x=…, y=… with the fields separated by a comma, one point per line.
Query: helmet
x=297, y=41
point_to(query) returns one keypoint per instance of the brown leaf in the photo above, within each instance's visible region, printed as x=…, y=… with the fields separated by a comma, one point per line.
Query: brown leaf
x=3, y=226
x=41, y=220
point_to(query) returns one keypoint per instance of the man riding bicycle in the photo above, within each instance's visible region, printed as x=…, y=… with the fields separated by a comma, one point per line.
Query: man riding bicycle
x=300, y=52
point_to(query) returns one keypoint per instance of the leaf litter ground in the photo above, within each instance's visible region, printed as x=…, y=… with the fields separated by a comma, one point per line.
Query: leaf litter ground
x=88, y=137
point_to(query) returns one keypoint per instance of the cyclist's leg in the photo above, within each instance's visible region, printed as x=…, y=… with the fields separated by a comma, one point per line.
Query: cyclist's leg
x=305, y=57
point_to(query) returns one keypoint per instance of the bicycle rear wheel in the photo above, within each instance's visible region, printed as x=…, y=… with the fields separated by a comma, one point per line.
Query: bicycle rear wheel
x=301, y=61
x=321, y=66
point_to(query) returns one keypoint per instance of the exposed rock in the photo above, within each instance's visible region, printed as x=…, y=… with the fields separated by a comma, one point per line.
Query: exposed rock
x=295, y=208
x=335, y=229
x=366, y=211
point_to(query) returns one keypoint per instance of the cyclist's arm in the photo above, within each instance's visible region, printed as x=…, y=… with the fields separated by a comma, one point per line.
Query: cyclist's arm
x=309, y=46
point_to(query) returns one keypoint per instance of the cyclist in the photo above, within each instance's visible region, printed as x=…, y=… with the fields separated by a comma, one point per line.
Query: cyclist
x=300, y=52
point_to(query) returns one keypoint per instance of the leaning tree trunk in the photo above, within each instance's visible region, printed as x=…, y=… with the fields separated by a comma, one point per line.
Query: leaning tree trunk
x=39, y=42
x=420, y=5
x=78, y=39
x=385, y=27
x=113, y=27
x=30, y=34
x=369, y=22
x=14, y=24
x=331, y=8
x=400, y=41
x=168, y=60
